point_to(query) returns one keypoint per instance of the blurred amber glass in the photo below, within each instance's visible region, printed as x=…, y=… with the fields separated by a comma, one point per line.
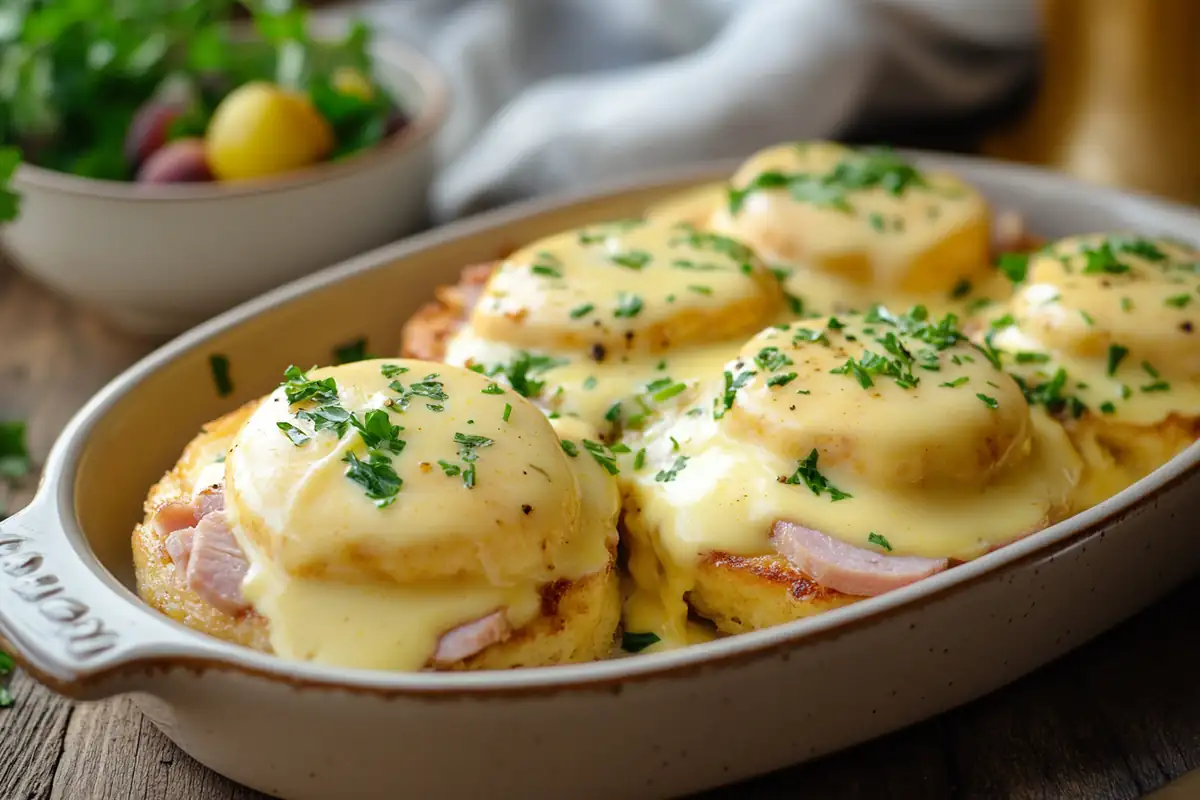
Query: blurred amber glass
x=1119, y=102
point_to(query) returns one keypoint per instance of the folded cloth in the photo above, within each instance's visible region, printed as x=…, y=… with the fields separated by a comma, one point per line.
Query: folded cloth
x=557, y=94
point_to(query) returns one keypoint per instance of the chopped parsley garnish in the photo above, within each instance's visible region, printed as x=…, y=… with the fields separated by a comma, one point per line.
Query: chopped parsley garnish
x=880, y=540
x=855, y=370
x=633, y=259
x=603, y=456
x=704, y=290
x=990, y=402
x=1050, y=395
x=376, y=476
x=1138, y=247
x=877, y=221
x=637, y=642
x=1116, y=353
x=1107, y=407
x=781, y=380
x=1126, y=304
x=639, y=459
x=715, y=242
x=329, y=417
x=570, y=448
x=628, y=305
x=864, y=169
x=1159, y=385
x=297, y=436
x=219, y=365
x=451, y=470
x=545, y=271
x=391, y=370
x=954, y=384
x=492, y=388
x=1015, y=266
x=350, y=352
x=613, y=413
x=772, y=359
x=377, y=431
x=723, y=403
x=1027, y=357
x=428, y=388
x=468, y=444
x=1179, y=300
x=1102, y=259
x=697, y=266
x=668, y=475
x=583, y=310
x=795, y=304
x=803, y=335
x=664, y=393
x=1088, y=319
x=869, y=364
x=507, y=411
x=807, y=473
x=298, y=388
x=522, y=368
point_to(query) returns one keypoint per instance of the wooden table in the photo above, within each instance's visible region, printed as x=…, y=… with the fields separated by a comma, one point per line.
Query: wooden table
x=1116, y=719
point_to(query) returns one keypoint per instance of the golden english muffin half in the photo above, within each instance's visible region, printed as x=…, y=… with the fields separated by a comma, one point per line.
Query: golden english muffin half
x=833, y=459
x=600, y=322
x=395, y=515
x=1102, y=332
x=858, y=226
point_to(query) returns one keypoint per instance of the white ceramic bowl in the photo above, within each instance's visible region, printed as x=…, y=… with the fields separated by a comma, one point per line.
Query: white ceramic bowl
x=654, y=725
x=160, y=259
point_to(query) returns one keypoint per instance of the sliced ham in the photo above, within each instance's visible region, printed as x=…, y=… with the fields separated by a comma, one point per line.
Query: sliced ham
x=179, y=546
x=846, y=568
x=171, y=517
x=217, y=566
x=199, y=540
x=469, y=639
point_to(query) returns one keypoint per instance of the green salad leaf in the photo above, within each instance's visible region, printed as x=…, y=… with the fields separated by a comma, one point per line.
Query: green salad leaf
x=75, y=73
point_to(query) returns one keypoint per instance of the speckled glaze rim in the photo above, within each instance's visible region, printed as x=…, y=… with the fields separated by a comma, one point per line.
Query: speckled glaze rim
x=435, y=108
x=165, y=644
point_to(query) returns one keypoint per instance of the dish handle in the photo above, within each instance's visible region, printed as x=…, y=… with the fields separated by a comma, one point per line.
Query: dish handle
x=62, y=622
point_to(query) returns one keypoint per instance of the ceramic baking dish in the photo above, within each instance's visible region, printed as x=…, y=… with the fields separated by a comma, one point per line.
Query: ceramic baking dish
x=655, y=725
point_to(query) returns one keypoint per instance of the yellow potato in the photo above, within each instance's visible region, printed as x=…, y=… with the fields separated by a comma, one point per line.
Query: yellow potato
x=260, y=130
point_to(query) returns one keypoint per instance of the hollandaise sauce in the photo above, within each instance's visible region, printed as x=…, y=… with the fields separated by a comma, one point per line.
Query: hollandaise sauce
x=384, y=503
x=1105, y=324
x=890, y=433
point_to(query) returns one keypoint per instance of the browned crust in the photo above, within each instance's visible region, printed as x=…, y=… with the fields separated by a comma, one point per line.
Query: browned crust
x=775, y=570
x=425, y=334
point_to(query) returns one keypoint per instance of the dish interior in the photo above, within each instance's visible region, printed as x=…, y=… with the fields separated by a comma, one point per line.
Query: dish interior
x=133, y=436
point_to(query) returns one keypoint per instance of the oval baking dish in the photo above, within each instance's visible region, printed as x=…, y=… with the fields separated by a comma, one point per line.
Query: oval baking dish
x=660, y=724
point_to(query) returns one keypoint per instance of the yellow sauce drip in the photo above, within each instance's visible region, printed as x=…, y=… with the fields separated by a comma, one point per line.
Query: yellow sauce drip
x=442, y=553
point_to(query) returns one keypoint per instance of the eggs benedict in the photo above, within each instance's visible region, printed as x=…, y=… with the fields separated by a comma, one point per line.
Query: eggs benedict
x=833, y=459
x=857, y=226
x=1101, y=331
x=608, y=321
x=393, y=515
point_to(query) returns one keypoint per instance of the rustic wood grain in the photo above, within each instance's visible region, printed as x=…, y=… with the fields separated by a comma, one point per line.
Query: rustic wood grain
x=1114, y=720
